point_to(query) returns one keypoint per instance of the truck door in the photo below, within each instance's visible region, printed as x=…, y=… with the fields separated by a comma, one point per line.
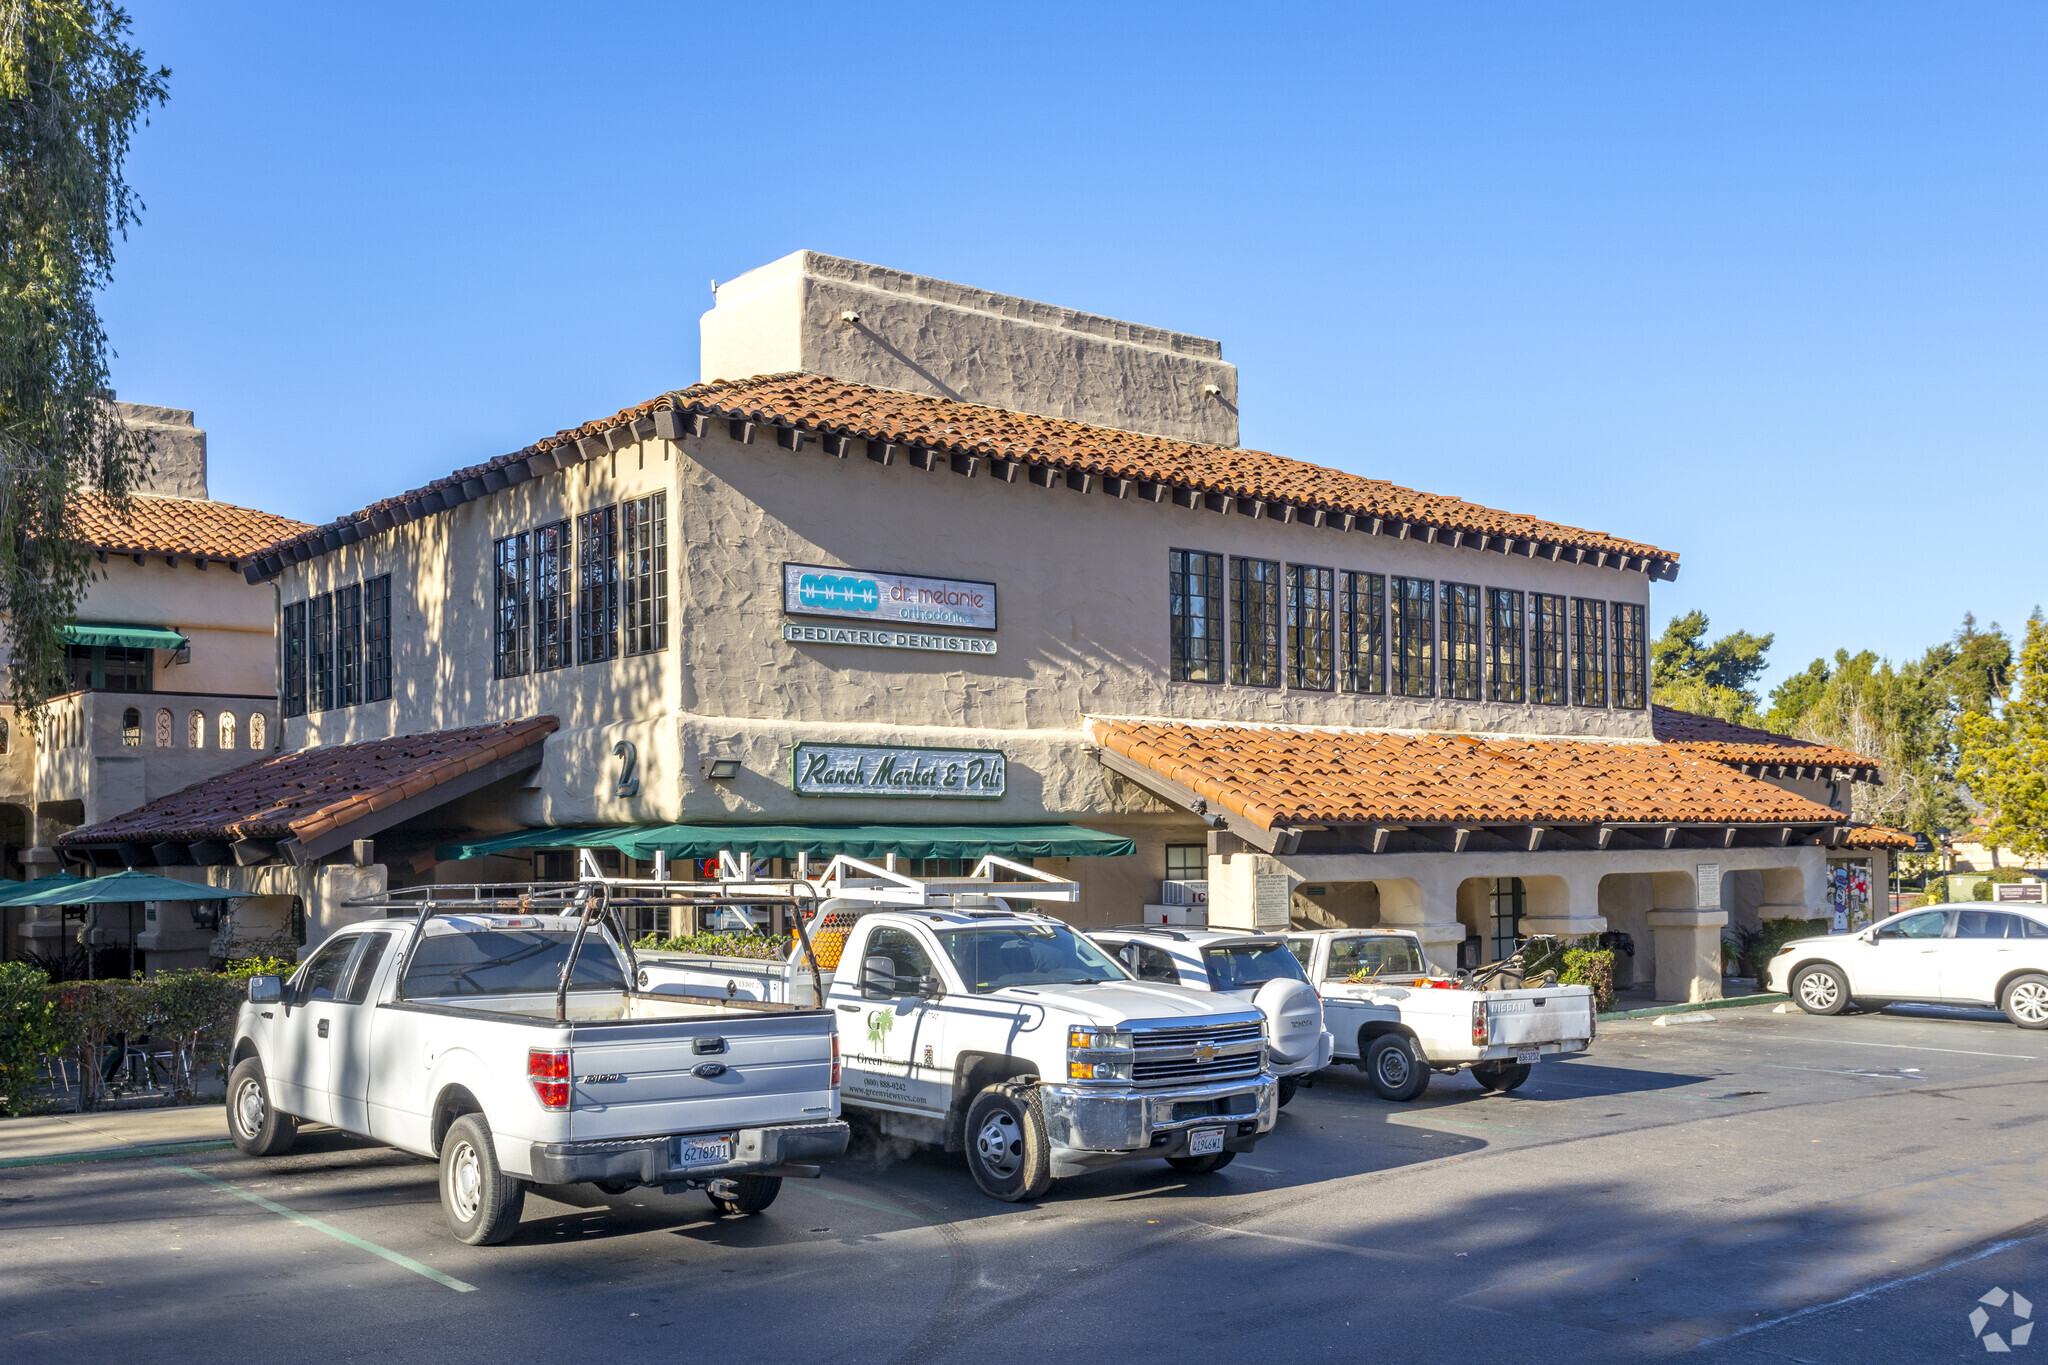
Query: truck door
x=298, y=1072
x=893, y=1038
x=350, y=1061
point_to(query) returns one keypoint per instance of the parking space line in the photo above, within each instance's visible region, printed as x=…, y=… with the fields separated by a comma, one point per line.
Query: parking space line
x=396, y=1258
x=1904, y=1047
x=115, y=1154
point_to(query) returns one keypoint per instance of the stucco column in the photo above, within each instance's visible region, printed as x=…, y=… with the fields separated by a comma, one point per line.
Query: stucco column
x=1688, y=953
x=1248, y=889
x=334, y=884
x=1427, y=910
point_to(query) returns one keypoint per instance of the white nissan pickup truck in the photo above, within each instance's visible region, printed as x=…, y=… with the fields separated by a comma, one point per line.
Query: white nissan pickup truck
x=1005, y=1034
x=466, y=1037
x=1398, y=1021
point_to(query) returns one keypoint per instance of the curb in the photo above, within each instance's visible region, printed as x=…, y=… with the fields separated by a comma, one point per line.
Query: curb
x=1738, y=1003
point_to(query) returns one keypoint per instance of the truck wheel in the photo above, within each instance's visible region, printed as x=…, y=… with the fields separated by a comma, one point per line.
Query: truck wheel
x=1201, y=1165
x=1497, y=1078
x=750, y=1193
x=1007, y=1149
x=1288, y=1085
x=2025, y=1000
x=1394, y=1068
x=482, y=1202
x=257, y=1128
x=1820, y=989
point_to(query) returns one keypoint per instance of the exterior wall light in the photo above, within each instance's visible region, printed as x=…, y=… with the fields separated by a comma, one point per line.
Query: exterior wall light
x=721, y=769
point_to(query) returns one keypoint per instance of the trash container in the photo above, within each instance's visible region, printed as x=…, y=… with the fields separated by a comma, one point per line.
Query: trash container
x=1624, y=949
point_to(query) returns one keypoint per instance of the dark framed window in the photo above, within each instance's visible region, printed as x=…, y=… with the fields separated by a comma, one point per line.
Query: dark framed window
x=646, y=546
x=348, y=644
x=1187, y=862
x=1255, y=622
x=377, y=639
x=554, y=597
x=1362, y=616
x=1547, y=649
x=1508, y=902
x=1194, y=593
x=1630, y=666
x=1504, y=644
x=291, y=687
x=1414, y=637
x=320, y=652
x=1461, y=641
x=110, y=668
x=512, y=654
x=1589, y=652
x=1311, y=627
x=597, y=586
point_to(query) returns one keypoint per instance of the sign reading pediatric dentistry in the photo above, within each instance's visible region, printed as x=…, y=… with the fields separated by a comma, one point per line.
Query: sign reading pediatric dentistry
x=931, y=641
x=891, y=770
x=808, y=590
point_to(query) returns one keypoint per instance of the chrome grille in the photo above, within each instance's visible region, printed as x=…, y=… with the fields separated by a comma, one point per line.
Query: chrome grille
x=1172, y=1056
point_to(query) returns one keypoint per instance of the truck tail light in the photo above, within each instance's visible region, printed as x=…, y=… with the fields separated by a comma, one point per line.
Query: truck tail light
x=548, y=1071
x=835, y=1059
x=1479, y=1023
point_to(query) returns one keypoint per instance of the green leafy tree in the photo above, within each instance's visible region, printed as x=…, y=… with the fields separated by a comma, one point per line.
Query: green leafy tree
x=72, y=90
x=1900, y=716
x=1714, y=679
x=2005, y=755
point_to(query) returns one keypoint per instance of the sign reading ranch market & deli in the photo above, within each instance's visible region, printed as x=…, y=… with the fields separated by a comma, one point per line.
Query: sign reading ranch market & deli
x=889, y=770
x=808, y=590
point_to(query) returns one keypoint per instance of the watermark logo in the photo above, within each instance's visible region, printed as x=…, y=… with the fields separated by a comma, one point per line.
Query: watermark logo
x=2014, y=1322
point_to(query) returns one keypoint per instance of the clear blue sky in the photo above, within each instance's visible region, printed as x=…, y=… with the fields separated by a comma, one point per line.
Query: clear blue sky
x=1763, y=284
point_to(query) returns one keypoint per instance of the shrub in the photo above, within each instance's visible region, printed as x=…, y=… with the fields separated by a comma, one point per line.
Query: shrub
x=1590, y=967
x=26, y=1032
x=89, y=1014
x=717, y=945
x=195, y=1013
x=1937, y=891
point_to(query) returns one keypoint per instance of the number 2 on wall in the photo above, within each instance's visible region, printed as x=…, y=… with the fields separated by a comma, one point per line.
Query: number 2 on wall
x=629, y=768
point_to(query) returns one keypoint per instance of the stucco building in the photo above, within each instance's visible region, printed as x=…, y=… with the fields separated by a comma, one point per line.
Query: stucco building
x=948, y=572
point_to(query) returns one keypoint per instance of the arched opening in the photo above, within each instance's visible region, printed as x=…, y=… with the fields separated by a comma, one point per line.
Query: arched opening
x=1336, y=905
x=1626, y=899
x=256, y=726
x=227, y=730
x=163, y=727
x=195, y=730
x=131, y=729
x=6, y=737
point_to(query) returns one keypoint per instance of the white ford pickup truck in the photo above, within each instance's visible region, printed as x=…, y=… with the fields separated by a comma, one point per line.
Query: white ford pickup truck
x=1397, y=1021
x=463, y=1036
x=1005, y=1034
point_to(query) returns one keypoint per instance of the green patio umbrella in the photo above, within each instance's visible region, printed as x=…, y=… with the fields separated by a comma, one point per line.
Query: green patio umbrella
x=20, y=893
x=122, y=886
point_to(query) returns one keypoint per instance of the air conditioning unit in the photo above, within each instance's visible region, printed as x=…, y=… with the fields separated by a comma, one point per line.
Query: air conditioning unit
x=1184, y=893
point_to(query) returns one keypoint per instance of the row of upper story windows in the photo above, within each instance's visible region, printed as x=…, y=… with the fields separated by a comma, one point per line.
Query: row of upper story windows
x=1329, y=630
x=336, y=648
x=581, y=589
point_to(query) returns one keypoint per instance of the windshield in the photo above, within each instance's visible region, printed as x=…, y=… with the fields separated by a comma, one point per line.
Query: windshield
x=1236, y=966
x=508, y=962
x=1026, y=955
x=1369, y=958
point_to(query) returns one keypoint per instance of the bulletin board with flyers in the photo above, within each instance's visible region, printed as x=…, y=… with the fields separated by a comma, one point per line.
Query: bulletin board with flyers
x=1849, y=894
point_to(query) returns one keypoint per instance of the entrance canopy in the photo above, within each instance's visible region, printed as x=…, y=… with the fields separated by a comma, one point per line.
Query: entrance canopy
x=127, y=637
x=122, y=886
x=786, y=841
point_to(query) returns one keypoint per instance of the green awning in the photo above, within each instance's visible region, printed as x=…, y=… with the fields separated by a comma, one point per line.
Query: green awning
x=820, y=841
x=121, y=886
x=128, y=637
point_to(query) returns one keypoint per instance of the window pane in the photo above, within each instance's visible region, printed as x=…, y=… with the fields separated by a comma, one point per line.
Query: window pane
x=1461, y=641
x=514, y=558
x=1311, y=627
x=1629, y=664
x=597, y=585
x=1589, y=653
x=320, y=626
x=377, y=638
x=1362, y=602
x=1504, y=644
x=553, y=597
x=125, y=670
x=646, y=585
x=1187, y=862
x=348, y=642
x=1255, y=622
x=1195, y=611
x=1414, y=637
x=1546, y=649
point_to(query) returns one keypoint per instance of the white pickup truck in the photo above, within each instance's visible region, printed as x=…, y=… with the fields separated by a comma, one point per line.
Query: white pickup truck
x=457, y=1036
x=1005, y=1034
x=1397, y=1021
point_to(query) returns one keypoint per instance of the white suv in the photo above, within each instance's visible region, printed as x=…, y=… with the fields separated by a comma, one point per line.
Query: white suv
x=1254, y=967
x=1943, y=954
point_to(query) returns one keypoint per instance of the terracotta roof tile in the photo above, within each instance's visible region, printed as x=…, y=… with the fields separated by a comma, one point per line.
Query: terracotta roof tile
x=313, y=791
x=1751, y=749
x=1880, y=836
x=177, y=526
x=1275, y=775
x=833, y=407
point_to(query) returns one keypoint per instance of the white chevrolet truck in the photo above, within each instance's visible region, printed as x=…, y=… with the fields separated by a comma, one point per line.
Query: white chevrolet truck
x=1398, y=1021
x=1004, y=1034
x=513, y=1048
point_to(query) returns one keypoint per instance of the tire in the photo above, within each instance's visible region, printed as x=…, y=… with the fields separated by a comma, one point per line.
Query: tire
x=482, y=1202
x=1007, y=1148
x=1201, y=1165
x=1288, y=1085
x=2025, y=1000
x=1820, y=989
x=1497, y=1078
x=750, y=1193
x=1395, y=1068
x=257, y=1127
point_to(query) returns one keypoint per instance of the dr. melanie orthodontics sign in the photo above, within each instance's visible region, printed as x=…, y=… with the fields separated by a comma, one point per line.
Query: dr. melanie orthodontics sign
x=808, y=590
x=889, y=770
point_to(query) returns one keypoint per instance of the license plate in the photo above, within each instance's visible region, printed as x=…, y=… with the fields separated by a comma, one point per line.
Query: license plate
x=1205, y=1142
x=703, y=1151
x=1528, y=1058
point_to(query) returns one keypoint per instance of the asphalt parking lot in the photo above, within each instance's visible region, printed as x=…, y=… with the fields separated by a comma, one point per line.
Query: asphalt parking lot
x=1762, y=1188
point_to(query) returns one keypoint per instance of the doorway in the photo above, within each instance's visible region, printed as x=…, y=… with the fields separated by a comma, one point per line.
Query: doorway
x=1508, y=902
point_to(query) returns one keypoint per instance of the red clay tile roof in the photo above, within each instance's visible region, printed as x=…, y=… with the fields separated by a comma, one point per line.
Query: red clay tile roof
x=305, y=794
x=177, y=526
x=1879, y=836
x=1279, y=776
x=1045, y=446
x=1753, y=750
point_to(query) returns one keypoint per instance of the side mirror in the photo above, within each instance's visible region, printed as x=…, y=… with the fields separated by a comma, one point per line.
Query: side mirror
x=928, y=988
x=1868, y=936
x=266, y=990
x=878, y=977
